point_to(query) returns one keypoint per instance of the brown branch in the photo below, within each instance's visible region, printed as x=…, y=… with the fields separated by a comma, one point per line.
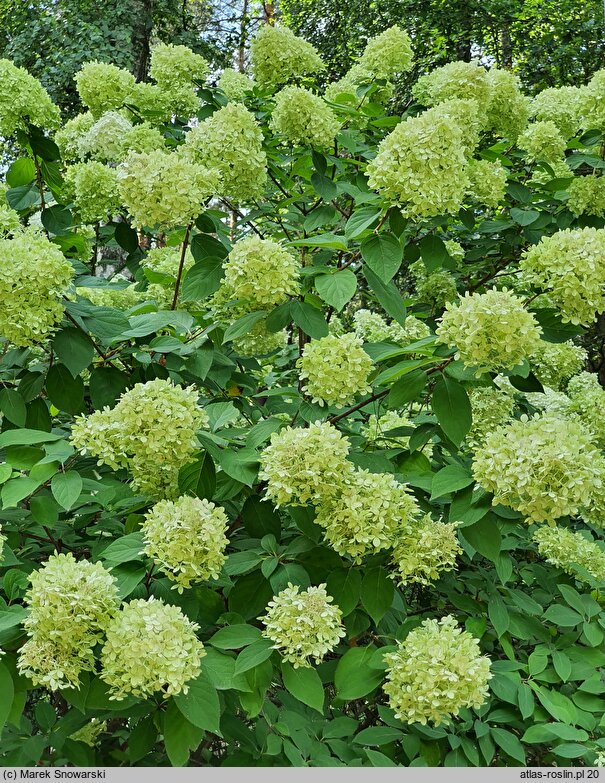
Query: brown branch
x=179, y=275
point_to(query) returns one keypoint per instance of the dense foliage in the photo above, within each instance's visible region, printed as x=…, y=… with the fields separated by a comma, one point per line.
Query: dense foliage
x=301, y=460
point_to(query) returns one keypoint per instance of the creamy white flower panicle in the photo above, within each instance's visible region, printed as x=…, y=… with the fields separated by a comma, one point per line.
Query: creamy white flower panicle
x=435, y=288
x=278, y=56
x=545, y=467
x=304, y=118
x=491, y=407
x=335, y=369
x=69, y=137
x=23, y=99
x=261, y=272
x=542, y=141
x=554, y=364
x=94, y=190
x=10, y=222
x=235, y=85
x=173, y=66
x=587, y=401
x=560, y=105
x=150, y=647
x=454, y=80
x=437, y=670
x=387, y=54
x=303, y=625
x=566, y=549
x=424, y=550
x=487, y=182
x=587, y=196
x=103, y=87
x=105, y=139
x=507, y=109
x=373, y=328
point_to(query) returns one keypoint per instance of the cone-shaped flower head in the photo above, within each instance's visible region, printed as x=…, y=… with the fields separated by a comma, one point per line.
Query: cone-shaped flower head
x=566, y=549
x=335, y=369
x=103, y=87
x=24, y=100
x=278, y=56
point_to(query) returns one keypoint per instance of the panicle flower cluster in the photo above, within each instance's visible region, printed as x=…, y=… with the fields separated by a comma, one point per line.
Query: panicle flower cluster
x=105, y=139
x=454, y=80
x=569, y=266
x=9, y=221
x=161, y=188
x=542, y=141
x=235, y=85
x=143, y=138
x=454, y=250
x=232, y=142
x=23, y=99
x=437, y=670
x=554, y=364
x=151, y=647
x=70, y=136
x=545, y=467
x=35, y=276
x=424, y=550
x=278, y=56
x=70, y=605
x=187, y=539
x=587, y=196
x=93, y=187
x=592, y=102
x=156, y=104
x=588, y=402
x=151, y=431
x=335, y=369
x=372, y=328
x=487, y=182
x=565, y=549
x=435, y=288
x=304, y=464
x=387, y=54
x=260, y=341
x=421, y=166
x=103, y=87
x=508, y=108
x=90, y=732
x=304, y=118
x=377, y=429
x=560, y=105
x=491, y=331
x=173, y=66
x=491, y=407
x=366, y=514
x=303, y=625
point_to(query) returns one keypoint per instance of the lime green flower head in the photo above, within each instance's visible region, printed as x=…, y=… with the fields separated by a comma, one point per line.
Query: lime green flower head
x=566, y=549
x=259, y=341
x=508, y=108
x=491, y=407
x=235, y=85
x=487, y=182
x=335, y=369
x=94, y=190
x=554, y=364
x=103, y=87
x=587, y=398
x=434, y=288
x=373, y=328
x=424, y=550
x=175, y=66
x=24, y=100
x=163, y=189
x=569, y=266
x=437, y=670
x=231, y=141
x=35, y=276
x=560, y=105
x=491, y=331
x=10, y=222
x=278, y=56
x=303, y=625
x=592, y=102
x=187, y=539
x=122, y=298
x=545, y=467
x=69, y=138
x=587, y=196
x=105, y=139
x=304, y=118
x=90, y=733
x=454, y=80
x=366, y=514
x=305, y=464
x=151, y=647
x=542, y=141
x=387, y=54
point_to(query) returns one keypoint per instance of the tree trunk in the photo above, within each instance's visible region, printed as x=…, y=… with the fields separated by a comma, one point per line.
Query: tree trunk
x=141, y=36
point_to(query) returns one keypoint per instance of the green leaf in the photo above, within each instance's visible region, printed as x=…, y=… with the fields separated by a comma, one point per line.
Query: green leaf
x=344, y=586
x=322, y=240
x=546, y=732
x=200, y=705
x=337, y=289
x=106, y=385
x=304, y=684
x=21, y=172
x=56, y=219
x=406, y=389
x=383, y=254
x=450, y=479
x=10, y=617
x=126, y=237
x=124, y=549
x=309, y=319
x=7, y=689
x=387, y=295
x=243, y=325
x=378, y=735
x=64, y=391
x=252, y=655
x=13, y=407
x=205, y=246
x=74, y=348
x=198, y=478
x=524, y=217
x=360, y=220
x=234, y=637
x=562, y=665
x=509, y=743
x=553, y=328
x=452, y=409
x=498, y=614
x=562, y=616
x=485, y=537
x=434, y=253
x=378, y=759
x=376, y=593
x=66, y=488
x=180, y=736
x=353, y=677
x=203, y=279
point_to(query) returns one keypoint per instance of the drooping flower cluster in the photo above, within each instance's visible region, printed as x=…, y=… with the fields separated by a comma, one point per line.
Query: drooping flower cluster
x=366, y=514
x=335, y=369
x=35, y=276
x=491, y=331
x=151, y=647
x=304, y=118
x=424, y=550
x=508, y=108
x=303, y=625
x=235, y=85
x=103, y=87
x=231, y=141
x=560, y=105
x=454, y=80
x=377, y=429
x=24, y=100
x=304, y=464
x=70, y=605
x=554, y=364
x=421, y=165
x=566, y=549
x=164, y=189
x=278, y=56
x=387, y=54
x=372, y=328
x=587, y=196
x=151, y=431
x=588, y=402
x=187, y=539
x=491, y=407
x=542, y=141
x=487, y=181
x=437, y=670
x=545, y=467
x=569, y=266
x=93, y=188
x=174, y=67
